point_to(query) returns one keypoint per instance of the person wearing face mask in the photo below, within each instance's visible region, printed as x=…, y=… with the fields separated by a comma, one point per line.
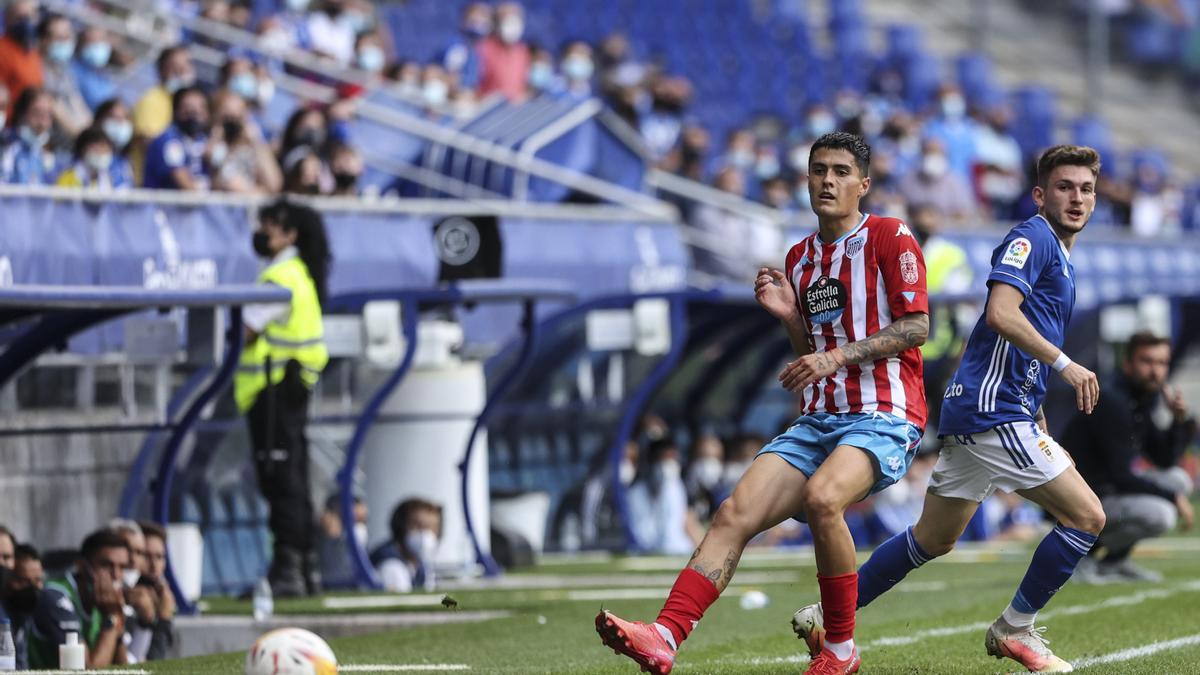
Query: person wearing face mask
x=152, y=114
x=369, y=53
x=153, y=578
x=336, y=571
x=21, y=589
x=176, y=159
x=113, y=117
x=94, y=153
x=90, y=67
x=935, y=185
x=239, y=159
x=461, y=56
x=577, y=69
x=302, y=170
x=347, y=166
x=287, y=29
x=542, y=78
x=435, y=90
x=504, y=58
x=141, y=612
x=25, y=156
x=704, y=476
x=284, y=356
x=956, y=130
x=20, y=60
x=332, y=31
x=658, y=504
x=56, y=41
x=90, y=601
x=406, y=562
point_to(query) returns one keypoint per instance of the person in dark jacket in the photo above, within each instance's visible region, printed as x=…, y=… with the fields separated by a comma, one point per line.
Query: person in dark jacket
x=1139, y=503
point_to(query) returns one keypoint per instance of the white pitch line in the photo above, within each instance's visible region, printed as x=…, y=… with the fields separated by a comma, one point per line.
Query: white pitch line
x=381, y=601
x=85, y=672
x=1138, y=652
x=398, y=667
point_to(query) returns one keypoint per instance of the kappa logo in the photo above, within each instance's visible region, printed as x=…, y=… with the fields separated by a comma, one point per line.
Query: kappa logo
x=855, y=246
x=1017, y=253
x=908, y=267
x=895, y=463
x=903, y=229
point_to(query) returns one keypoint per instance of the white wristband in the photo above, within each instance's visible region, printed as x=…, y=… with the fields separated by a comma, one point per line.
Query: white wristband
x=1062, y=361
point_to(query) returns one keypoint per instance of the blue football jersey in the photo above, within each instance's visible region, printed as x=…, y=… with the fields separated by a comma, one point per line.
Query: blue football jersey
x=996, y=382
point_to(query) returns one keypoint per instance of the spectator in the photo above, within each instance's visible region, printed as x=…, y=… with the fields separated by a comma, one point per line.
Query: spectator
x=90, y=67
x=20, y=62
x=955, y=130
x=89, y=601
x=332, y=547
x=154, y=579
x=504, y=58
x=1155, y=205
x=661, y=127
x=406, y=562
x=92, y=162
x=153, y=112
x=777, y=194
x=175, y=160
x=998, y=172
x=369, y=53
x=1106, y=444
x=542, y=77
x=237, y=76
x=21, y=593
x=331, y=32
x=25, y=158
x=435, y=90
x=347, y=166
x=704, y=476
x=240, y=160
x=739, y=152
x=577, y=69
x=461, y=56
x=729, y=244
x=140, y=630
x=406, y=76
x=56, y=40
x=114, y=118
x=4, y=107
x=658, y=504
x=306, y=126
x=935, y=185
x=287, y=30
x=302, y=170
x=8, y=548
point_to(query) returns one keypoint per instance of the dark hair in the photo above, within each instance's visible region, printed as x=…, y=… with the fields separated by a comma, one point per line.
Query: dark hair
x=289, y=130
x=1141, y=340
x=105, y=109
x=311, y=241
x=840, y=140
x=88, y=136
x=43, y=27
x=152, y=529
x=406, y=508
x=165, y=55
x=5, y=532
x=1066, y=155
x=25, y=101
x=178, y=96
x=100, y=540
x=26, y=552
x=223, y=72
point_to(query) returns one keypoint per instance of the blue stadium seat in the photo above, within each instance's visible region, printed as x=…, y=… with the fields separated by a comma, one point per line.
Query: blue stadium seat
x=904, y=41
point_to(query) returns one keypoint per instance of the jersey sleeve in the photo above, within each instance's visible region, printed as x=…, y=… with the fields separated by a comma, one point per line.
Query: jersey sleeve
x=1020, y=259
x=902, y=268
x=55, y=617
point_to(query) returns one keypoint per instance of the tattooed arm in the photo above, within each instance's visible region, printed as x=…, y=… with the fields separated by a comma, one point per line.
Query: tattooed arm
x=906, y=332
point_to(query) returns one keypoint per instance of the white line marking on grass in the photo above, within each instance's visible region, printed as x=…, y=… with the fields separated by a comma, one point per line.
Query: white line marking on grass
x=1138, y=652
x=378, y=601
x=84, y=672
x=617, y=594
x=398, y=668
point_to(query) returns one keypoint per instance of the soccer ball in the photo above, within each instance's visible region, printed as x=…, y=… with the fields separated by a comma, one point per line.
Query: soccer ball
x=290, y=651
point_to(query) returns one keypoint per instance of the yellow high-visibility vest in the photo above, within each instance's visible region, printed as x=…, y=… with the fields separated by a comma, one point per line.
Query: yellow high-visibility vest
x=943, y=259
x=300, y=339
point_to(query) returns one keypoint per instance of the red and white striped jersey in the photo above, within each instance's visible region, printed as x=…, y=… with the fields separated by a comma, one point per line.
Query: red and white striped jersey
x=849, y=290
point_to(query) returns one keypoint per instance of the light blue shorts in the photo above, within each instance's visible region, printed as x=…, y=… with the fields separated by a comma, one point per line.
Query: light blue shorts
x=889, y=441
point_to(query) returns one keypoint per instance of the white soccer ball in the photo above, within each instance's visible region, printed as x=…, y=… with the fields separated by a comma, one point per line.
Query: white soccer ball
x=290, y=651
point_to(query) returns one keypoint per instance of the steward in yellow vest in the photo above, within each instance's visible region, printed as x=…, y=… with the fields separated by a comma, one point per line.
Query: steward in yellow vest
x=284, y=355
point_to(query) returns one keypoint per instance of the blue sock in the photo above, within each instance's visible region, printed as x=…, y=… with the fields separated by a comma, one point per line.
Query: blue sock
x=1052, y=564
x=888, y=565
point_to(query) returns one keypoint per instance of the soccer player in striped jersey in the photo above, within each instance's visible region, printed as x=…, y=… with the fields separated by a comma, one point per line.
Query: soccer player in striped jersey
x=853, y=303
x=992, y=424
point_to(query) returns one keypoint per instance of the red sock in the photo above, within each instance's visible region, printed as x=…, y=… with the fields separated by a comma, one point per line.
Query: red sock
x=690, y=597
x=839, y=595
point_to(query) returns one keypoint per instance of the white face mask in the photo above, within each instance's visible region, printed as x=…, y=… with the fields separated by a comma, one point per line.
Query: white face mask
x=627, y=472
x=668, y=470
x=435, y=92
x=360, y=533
x=422, y=543
x=130, y=577
x=706, y=472
x=934, y=166
x=511, y=29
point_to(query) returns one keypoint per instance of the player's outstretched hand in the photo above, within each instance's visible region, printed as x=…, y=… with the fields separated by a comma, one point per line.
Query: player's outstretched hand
x=1186, y=516
x=1085, y=384
x=775, y=294
x=808, y=369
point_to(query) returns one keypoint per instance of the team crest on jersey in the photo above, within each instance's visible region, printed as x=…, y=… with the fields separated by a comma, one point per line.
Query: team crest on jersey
x=825, y=300
x=908, y=267
x=1017, y=253
x=855, y=246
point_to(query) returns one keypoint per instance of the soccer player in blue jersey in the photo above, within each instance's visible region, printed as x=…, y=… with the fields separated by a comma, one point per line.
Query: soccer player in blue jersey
x=992, y=424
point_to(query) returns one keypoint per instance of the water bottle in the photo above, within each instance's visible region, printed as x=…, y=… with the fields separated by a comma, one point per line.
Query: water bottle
x=8, y=648
x=264, y=602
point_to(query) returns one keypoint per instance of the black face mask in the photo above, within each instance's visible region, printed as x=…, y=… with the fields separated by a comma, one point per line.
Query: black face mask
x=310, y=137
x=23, y=600
x=232, y=130
x=345, y=180
x=24, y=31
x=262, y=245
x=190, y=126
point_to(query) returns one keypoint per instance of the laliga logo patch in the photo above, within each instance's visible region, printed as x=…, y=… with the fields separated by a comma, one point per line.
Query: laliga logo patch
x=457, y=240
x=1017, y=253
x=825, y=300
x=908, y=267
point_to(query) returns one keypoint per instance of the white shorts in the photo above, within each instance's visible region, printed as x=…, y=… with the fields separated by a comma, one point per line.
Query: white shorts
x=1009, y=457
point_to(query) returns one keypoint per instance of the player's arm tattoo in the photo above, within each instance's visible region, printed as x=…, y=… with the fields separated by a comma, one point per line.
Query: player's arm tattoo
x=906, y=332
